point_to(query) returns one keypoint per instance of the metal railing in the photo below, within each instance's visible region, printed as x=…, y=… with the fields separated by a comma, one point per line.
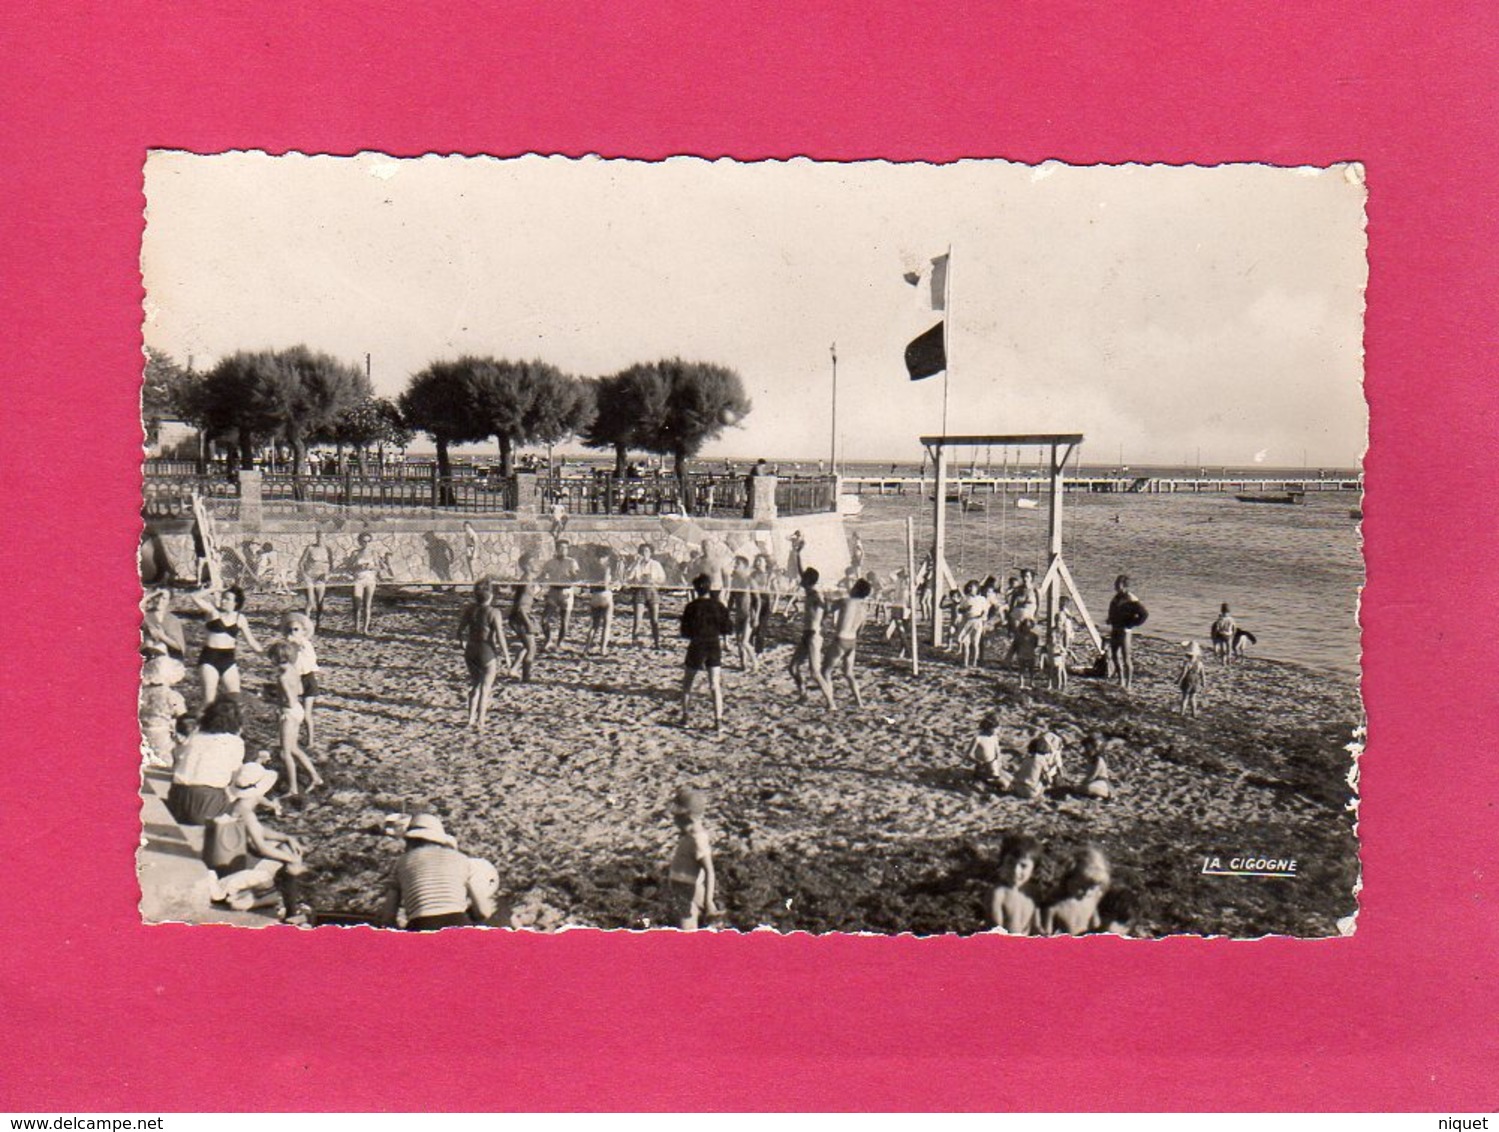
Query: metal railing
x=806, y=496
x=282, y=493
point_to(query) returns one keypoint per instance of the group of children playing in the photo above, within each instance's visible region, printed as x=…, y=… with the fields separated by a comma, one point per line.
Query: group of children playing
x=743, y=600
x=983, y=611
x=1082, y=902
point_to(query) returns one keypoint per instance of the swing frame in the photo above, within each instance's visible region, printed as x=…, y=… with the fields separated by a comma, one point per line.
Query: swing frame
x=1057, y=575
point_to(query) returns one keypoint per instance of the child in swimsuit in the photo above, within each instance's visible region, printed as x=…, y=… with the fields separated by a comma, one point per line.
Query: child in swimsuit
x=285, y=692
x=1040, y=768
x=1191, y=679
x=1024, y=650
x=1010, y=910
x=1223, y=635
x=690, y=877
x=298, y=630
x=984, y=754
x=1076, y=910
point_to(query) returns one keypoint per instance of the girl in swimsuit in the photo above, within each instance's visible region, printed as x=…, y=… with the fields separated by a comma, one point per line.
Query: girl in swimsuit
x=315, y=566
x=483, y=636
x=285, y=691
x=366, y=563
x=217, y=663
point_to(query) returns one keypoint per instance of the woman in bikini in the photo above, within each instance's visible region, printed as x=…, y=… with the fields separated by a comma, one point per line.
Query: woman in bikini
x=218, y=663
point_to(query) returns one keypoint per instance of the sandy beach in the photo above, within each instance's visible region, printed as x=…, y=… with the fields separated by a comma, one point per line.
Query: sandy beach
x=858, y=821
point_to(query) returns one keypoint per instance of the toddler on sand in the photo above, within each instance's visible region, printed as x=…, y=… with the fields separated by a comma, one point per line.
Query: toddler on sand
x=692, y=884
x=1191, y=679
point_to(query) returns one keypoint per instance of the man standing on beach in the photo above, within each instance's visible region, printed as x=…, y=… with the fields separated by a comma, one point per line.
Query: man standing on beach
x=705, y=621
x=559, y=574
x=646, y=576
x=1126, y=614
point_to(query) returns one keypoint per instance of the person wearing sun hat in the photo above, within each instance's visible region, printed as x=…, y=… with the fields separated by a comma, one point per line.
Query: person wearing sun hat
x=271, y=868
x=431, y=883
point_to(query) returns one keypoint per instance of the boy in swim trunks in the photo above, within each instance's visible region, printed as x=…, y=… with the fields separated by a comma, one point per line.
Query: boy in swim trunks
x=809, y=649
x=853, y=611
x=705, y=621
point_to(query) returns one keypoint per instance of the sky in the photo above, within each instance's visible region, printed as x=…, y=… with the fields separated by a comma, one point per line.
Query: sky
x=1161, y=311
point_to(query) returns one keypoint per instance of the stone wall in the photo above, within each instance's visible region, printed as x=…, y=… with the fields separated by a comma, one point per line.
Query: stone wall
x=450, y=549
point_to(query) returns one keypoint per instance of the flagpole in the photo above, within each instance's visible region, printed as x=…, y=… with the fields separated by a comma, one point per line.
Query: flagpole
x=833, y=443
x=946, y=334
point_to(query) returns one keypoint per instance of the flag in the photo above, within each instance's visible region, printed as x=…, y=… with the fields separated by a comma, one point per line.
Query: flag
x=930, y=279
x=927, y=354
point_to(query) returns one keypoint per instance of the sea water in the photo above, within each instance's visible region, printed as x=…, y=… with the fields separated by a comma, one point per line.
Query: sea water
x=1291, y=574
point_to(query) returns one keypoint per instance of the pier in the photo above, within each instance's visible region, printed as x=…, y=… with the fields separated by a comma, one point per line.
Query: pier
x=1097, y=484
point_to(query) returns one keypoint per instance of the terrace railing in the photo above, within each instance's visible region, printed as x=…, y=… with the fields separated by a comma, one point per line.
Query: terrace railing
x=420, y=490
x=282, y=493
x=809, y=495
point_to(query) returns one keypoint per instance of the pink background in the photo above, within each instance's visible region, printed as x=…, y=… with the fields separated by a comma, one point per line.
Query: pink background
x=99, y=1012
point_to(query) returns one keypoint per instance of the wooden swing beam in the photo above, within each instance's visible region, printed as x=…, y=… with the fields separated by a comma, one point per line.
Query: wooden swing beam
x=1057, y=575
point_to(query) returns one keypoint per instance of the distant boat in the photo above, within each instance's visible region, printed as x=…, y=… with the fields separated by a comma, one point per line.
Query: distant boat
x=1026, y=504
x=1285, y=497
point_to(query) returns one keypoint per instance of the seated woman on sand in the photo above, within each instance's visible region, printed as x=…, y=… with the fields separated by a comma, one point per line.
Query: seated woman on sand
x=205, y=764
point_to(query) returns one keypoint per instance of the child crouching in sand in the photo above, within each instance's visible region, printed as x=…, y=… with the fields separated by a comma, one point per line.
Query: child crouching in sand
x=1076, y=910
x=692, y=884
x=1010, y=909
x=1095, y=784
x=985, y=756
x=1040, y=768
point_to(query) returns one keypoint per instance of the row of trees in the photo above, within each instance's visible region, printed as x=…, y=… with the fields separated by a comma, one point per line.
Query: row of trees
x=299, y=397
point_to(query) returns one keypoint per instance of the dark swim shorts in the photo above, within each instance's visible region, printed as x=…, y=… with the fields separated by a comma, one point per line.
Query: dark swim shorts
x=220, y=659
x=703, y=655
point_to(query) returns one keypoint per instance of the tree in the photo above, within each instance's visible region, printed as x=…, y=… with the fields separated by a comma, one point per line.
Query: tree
x=624, y=403
x=528, y=403
x=296, y=394
x=221, y=403
x=375, y=420
x=164, y=379
x=284, y=395
x=698, y=401
x=442, y=401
